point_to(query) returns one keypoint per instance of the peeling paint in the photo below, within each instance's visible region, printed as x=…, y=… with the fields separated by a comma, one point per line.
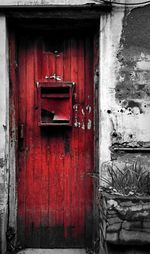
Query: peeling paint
x=2, y=162
x=66, y=143
x=83, y=126
x=143, y=65
x=75, y=107
x=77, y=124
x=82, y=110
x=89, y=124
x=89, y=108
x=132, y=80
x=132, y=106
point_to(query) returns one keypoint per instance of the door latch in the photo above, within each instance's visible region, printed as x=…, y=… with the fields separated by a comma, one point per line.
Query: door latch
x=21, y=131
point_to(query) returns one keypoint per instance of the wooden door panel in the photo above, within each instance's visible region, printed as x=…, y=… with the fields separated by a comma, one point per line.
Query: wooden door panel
x=54, y=183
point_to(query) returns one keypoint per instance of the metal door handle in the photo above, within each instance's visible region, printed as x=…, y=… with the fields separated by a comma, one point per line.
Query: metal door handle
x=22, y=131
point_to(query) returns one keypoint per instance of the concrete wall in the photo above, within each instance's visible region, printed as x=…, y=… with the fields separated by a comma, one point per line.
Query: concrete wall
x=125, y=85
x=4, y=129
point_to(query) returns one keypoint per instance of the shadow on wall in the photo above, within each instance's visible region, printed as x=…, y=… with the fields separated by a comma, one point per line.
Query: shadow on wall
x=128, y=249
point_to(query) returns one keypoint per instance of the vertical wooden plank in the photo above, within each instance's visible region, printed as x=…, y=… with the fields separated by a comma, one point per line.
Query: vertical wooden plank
x=52, y=190
x=44, y=173
x=59, y=188
x=38, y=59
x=44, y=190
x=59, y=60
x=51, y=64
x=37, y=167
x=36, y=162
x=32, y=219
x=96, y=102
x=45, y=66
x=67, y=59
x=67, y=149
x=21, y=172
x=74, y=142
x=82, y=148
x=89, y=163
x=48, y=58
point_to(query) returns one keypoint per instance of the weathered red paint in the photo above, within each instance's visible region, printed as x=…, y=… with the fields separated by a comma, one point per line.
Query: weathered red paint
x=55, y=164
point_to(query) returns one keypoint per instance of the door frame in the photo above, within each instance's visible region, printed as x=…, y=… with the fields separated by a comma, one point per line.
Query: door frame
x=12, y=204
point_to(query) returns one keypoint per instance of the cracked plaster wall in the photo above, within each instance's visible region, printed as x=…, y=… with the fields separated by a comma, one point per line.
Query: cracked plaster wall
x=132, y=90
x=4, y=127
x=125, y=84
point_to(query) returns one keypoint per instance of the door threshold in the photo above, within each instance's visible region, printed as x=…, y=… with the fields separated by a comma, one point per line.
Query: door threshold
x=52, y=251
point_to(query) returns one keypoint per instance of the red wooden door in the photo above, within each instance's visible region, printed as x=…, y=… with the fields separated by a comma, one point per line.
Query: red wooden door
x=54, y=183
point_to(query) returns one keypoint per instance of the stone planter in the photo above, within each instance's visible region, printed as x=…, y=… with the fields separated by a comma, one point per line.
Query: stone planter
x=124, y=220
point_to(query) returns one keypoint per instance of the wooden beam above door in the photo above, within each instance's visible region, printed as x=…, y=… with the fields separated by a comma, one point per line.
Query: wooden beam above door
x=88, y=11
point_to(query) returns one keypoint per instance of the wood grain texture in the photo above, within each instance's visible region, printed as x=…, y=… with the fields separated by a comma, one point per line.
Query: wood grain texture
x=54, y=183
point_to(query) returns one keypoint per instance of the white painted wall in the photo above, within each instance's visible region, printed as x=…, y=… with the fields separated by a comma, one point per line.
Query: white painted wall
x=110, y=33
x=136, y=123
x=4, y=127
x=4, y=101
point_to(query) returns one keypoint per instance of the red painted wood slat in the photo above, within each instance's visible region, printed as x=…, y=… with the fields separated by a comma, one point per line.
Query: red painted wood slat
x=54, y=187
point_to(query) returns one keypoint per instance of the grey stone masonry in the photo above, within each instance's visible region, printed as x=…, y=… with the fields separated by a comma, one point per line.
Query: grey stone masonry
x=126, y=220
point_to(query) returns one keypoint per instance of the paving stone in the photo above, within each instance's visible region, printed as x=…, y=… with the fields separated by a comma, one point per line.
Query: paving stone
x=114, y=227
x=112, y=237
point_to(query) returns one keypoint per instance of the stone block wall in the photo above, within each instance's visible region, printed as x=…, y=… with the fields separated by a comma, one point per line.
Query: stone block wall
x=124, y=224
